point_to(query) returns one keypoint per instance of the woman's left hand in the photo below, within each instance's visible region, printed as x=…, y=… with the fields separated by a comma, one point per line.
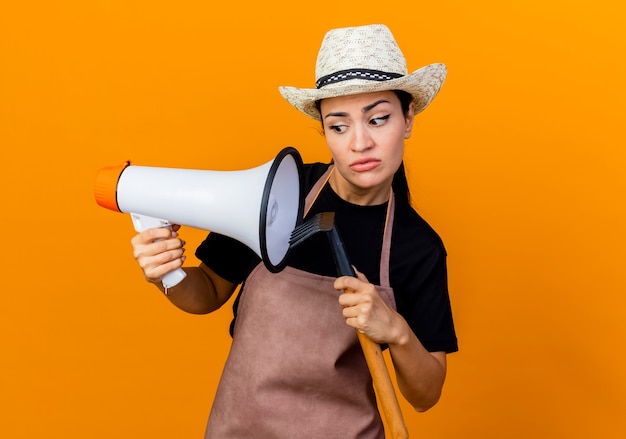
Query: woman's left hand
x=420, y=374
x=365, y=310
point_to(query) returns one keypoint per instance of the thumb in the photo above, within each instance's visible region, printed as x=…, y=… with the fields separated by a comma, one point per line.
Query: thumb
x=360, y=275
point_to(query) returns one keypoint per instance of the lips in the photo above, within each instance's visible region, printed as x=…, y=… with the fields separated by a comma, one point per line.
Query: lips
x=366, y=164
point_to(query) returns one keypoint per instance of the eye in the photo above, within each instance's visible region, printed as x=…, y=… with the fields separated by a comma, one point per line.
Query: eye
x=338, y=128
x=379, y=120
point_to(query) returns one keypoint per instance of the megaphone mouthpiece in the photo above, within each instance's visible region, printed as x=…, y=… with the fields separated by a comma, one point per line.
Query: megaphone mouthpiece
x=105, y=189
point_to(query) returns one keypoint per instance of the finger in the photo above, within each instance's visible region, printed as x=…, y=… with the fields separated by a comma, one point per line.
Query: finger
x=158, y=233
x=154, y=267
x=353, y=322
x=360, y=311
x=361, y=276
x=349, y=299
x=357, y=323
x=347, y=283
x=168, y=256
x=158, y=247
x=156, y=273
x=142, y=238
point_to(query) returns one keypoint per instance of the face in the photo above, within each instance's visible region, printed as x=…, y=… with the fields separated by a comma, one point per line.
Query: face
x=365, y=134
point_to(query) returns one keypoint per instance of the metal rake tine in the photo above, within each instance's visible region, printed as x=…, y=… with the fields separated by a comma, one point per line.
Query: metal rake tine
x=303, y=232
x=294, y=242
x=309, y=224
x=307, y=227
x=321, y=222
x=304, y=228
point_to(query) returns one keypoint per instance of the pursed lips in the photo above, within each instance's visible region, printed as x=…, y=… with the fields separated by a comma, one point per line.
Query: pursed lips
x=364, y=164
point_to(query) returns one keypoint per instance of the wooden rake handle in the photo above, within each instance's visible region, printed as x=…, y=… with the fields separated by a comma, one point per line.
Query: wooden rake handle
x=373, y=354
x=383, y=386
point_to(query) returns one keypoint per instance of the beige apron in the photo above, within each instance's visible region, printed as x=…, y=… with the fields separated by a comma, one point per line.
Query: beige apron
x=295, y=369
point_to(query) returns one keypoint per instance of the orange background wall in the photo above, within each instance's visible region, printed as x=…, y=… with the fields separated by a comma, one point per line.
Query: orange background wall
x=519, y=164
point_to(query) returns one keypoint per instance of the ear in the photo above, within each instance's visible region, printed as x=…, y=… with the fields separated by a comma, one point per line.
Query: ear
x=409, y=119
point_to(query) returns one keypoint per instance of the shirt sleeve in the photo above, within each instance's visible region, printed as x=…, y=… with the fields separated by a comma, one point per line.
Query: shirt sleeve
x=422, y=296
x=227, y=257
x=430, y=314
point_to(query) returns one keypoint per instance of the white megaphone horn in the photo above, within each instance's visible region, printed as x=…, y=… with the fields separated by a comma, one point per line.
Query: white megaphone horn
x=258, y=207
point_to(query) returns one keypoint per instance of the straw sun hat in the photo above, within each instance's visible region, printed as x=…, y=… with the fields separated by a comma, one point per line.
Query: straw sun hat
x=364, y=59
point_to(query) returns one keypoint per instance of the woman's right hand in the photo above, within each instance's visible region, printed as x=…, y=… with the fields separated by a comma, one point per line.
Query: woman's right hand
x=158, y=251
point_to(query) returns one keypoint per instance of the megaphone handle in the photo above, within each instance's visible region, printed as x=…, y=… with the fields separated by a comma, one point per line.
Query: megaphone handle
x=172, y=278
x=144, y=222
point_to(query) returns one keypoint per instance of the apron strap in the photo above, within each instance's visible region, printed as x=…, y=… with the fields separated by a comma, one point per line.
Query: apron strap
x=316, y=189
x=385, y=254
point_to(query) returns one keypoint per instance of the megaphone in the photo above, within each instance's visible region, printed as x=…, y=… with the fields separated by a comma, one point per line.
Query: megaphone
x=258, y=207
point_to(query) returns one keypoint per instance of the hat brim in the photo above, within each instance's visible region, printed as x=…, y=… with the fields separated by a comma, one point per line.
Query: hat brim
x=422, y=84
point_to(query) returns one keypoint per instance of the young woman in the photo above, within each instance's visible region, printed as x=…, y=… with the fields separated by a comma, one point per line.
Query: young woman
x=296, y=368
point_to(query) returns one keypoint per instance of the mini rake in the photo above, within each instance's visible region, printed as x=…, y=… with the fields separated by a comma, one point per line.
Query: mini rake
x=325, y=222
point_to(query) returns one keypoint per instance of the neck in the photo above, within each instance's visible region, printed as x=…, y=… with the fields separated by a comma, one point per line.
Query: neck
x=357, y=195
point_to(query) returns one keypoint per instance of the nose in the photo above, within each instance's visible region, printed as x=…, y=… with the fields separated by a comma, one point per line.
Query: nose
x=362, y=139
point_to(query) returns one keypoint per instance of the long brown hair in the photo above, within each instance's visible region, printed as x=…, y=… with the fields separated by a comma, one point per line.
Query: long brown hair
x=400, y=185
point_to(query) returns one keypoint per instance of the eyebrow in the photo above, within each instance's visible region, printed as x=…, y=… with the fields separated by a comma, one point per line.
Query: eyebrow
x=363, y=110
x=369, y=107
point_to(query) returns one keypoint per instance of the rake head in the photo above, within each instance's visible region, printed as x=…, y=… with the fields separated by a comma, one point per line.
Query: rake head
x=322, y=222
